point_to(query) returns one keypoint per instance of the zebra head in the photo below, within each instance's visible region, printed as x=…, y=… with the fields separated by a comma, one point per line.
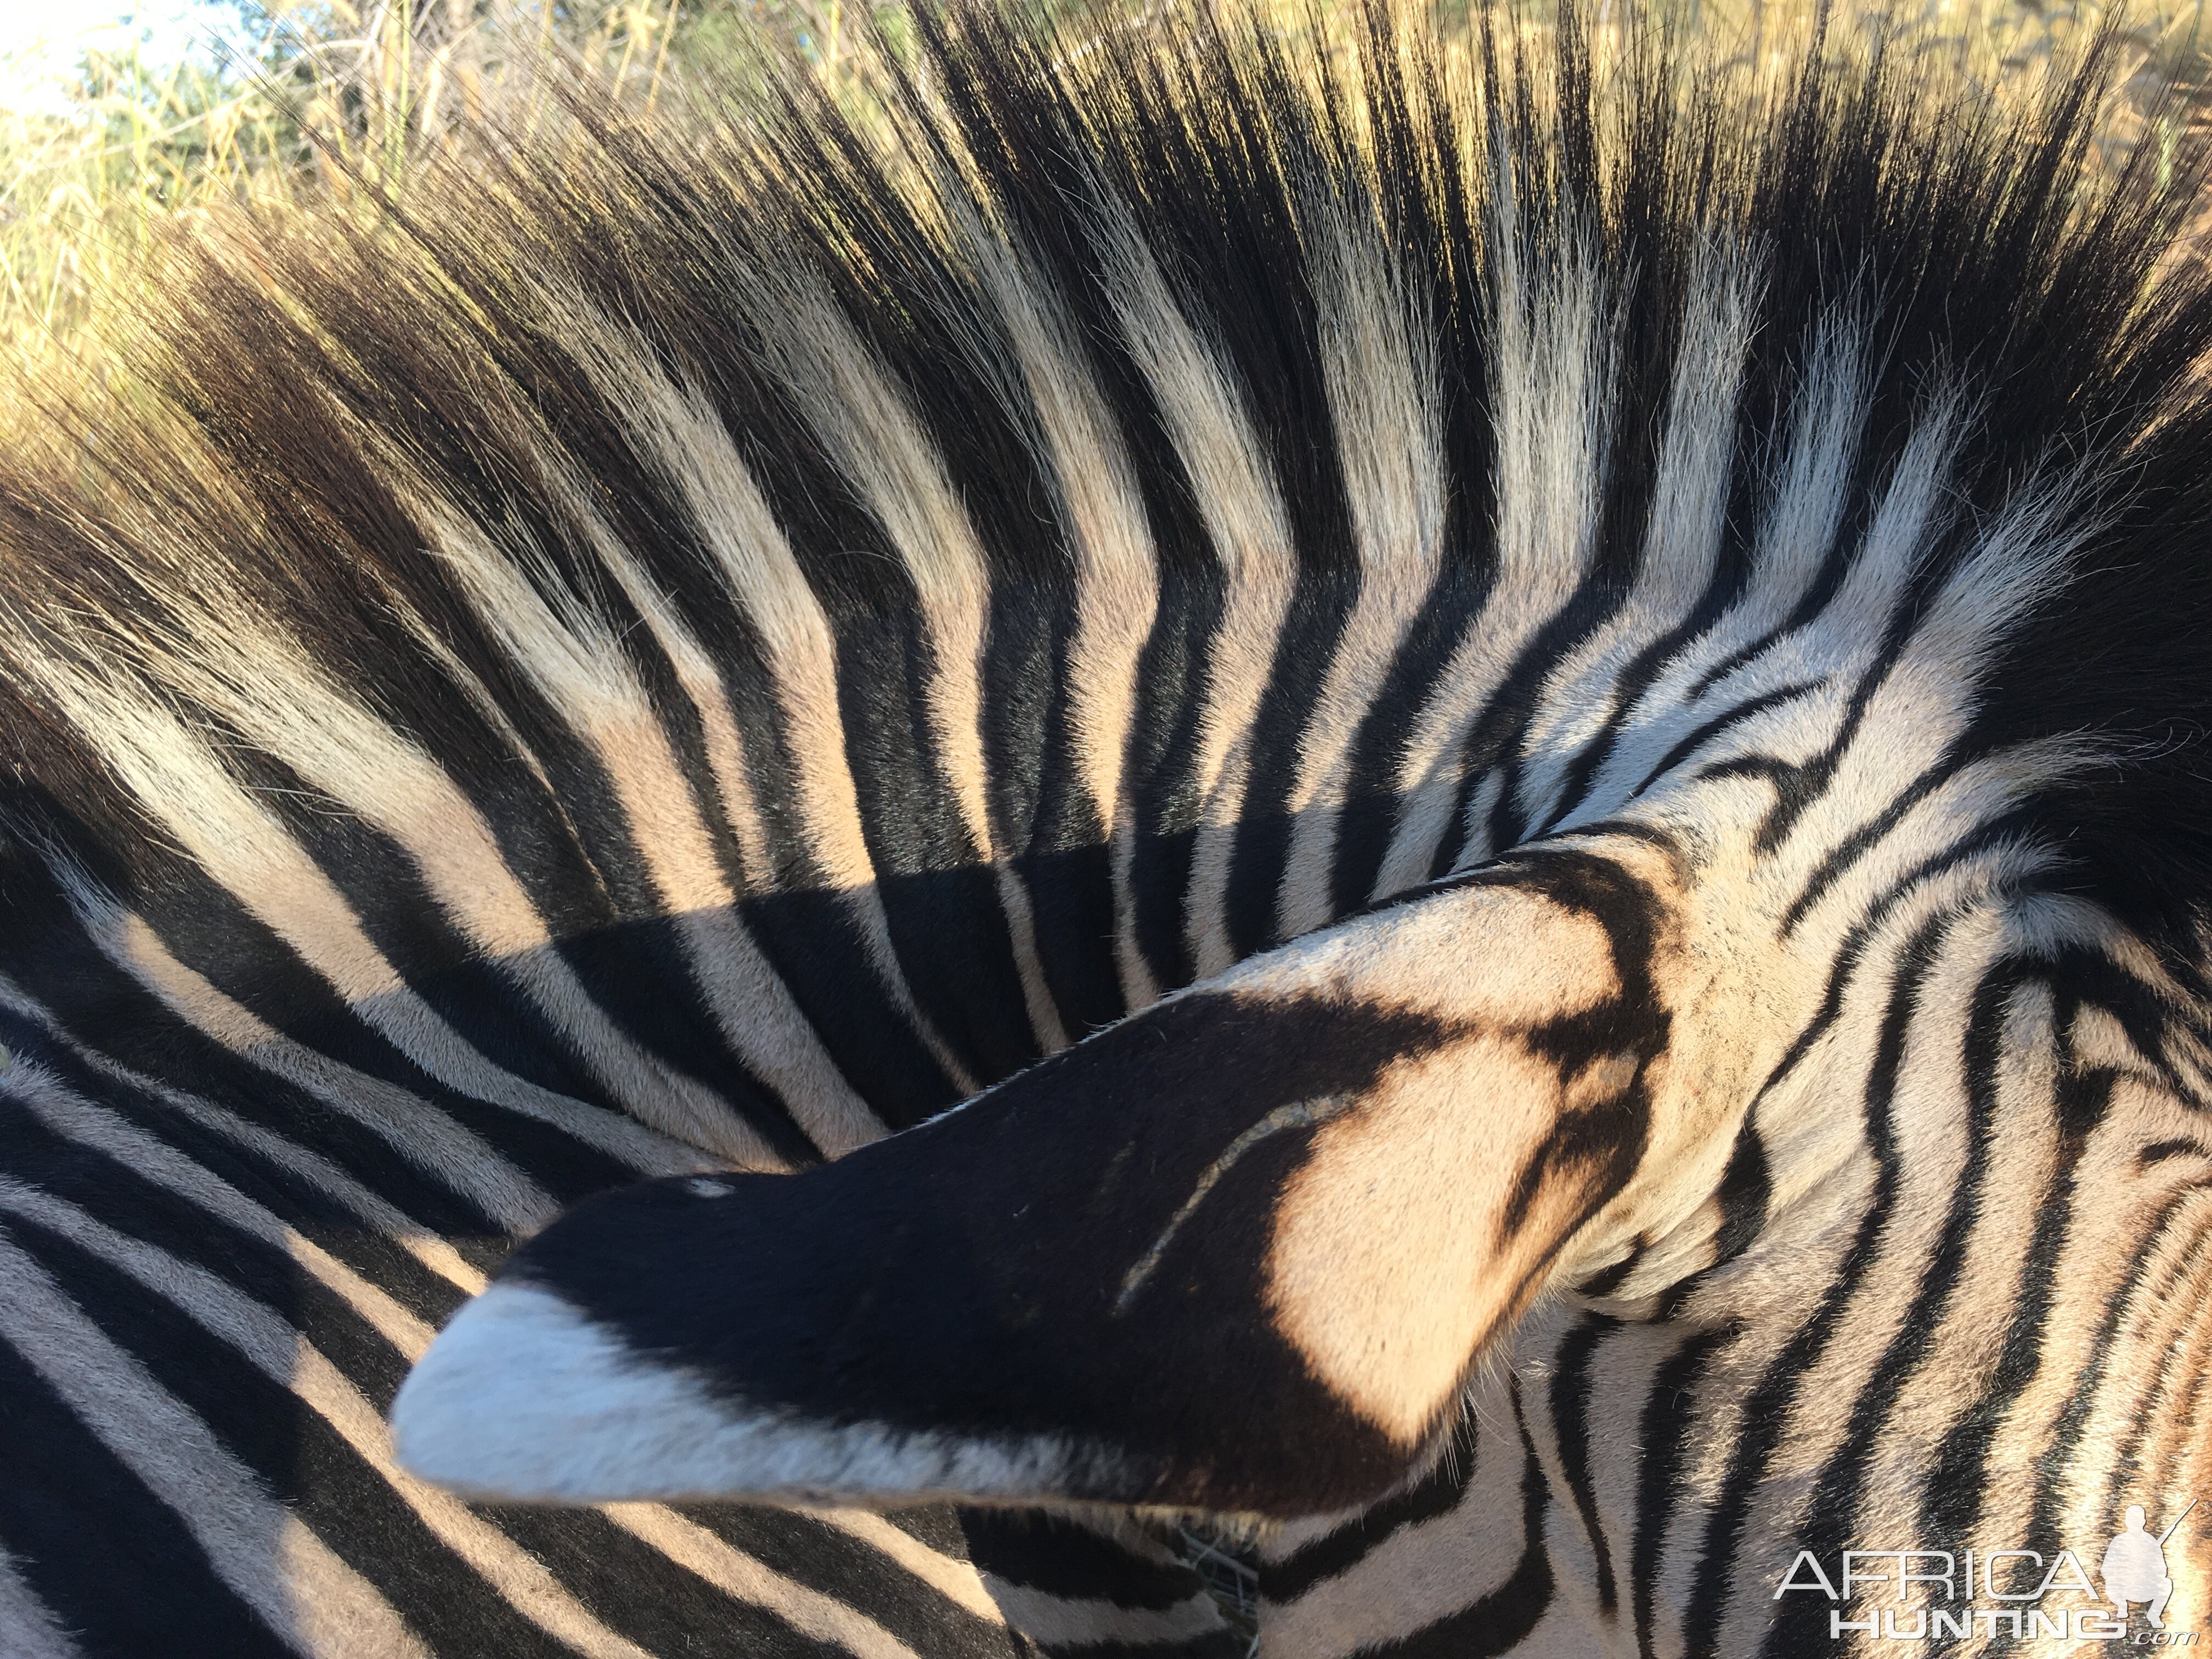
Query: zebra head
x=1729, y=966
x=1247, y=1250
x=1721, y=908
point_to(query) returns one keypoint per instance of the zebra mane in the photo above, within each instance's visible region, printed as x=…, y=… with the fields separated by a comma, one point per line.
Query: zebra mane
x=1181, y=310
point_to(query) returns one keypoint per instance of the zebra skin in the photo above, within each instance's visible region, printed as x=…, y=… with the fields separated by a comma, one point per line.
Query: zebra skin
x=1526, y=730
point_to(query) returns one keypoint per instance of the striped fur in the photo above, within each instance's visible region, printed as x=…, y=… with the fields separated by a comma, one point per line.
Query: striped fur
x=1526, y=741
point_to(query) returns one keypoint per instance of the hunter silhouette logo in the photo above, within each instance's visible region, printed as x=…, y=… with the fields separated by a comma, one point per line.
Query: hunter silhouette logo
x=1994, y=1593
x=2134, y=1568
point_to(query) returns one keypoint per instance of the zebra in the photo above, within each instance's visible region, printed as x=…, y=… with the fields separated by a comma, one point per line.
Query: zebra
x=1431, y=800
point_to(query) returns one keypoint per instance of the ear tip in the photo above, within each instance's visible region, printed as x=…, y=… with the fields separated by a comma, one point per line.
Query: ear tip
x=476, y=1413
x=524, y=1398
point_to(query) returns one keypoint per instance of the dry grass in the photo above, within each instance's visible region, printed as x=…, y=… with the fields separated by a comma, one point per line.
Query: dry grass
x=341, y=99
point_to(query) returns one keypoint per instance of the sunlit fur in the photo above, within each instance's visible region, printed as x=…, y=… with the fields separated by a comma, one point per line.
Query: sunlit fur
x=1523, y=726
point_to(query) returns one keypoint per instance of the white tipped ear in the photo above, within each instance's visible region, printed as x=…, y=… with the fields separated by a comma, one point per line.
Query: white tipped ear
x=522, y=1398
x=1331, y=1177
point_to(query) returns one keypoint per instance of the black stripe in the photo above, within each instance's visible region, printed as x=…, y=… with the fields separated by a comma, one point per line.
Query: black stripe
x=632, y=962
x=1222, y=1644
x=1305, y=646
x=677, y=1022
x=942, y=906
x=1491, y=739
x=2158, y=1150
x=1572, y=1378
x=1864, y=839
x=1632, y=683
x=1063, y=1558
x=1699, y=735
x=1846, y=957
x=817, y=946
x=2058, y=1466
x=641, y=1594
x=1957, y=1472
x=2084, y=1097
x=843, y=1568
x=1041, y=807
x=1798, y=787
x=1663, y=1437
x=1663, y=1425
x=203, y=925
x=871, y=611
x=1606, y=1280
x=1835, y=565
x=1174, y=684
x=1436, y=1492
x=1505, y=1617
x=141, y=1035
x=1370, y=797
x=2122, y=1471
x=1953, y=1505
x=112, y=1194
x=130, y=1200
x=297, y=1455
x=380, y=883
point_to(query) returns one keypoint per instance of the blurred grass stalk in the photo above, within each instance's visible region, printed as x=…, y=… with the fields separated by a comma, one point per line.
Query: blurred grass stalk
x=337, y=96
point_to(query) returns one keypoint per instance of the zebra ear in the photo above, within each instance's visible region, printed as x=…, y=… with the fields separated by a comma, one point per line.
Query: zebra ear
x=1237, y=1253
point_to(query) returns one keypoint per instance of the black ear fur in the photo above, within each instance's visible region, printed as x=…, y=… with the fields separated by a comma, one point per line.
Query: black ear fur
x=971, y=1281
x=1237, y=1253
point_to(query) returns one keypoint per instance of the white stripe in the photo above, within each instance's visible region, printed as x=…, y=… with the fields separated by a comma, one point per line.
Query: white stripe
x=689, y=445
x=1800, y=522
x=248, y=852
x=28, y=1629
x=1682, y=541
x=74, y=1118
x=740, y=1576
x=1233, y=481
x=1064, y=1622
x=1929, y=693
x=1378, y=353
x=247, y=668
x=958, y=1581
x=1549, y=377
x=571, y=655
x=866, y=422
x=1426, y=1569
x=288, y=1359
x=415, y=1128
x=312, y=1167
x=1080, y=448
x=753, y=1008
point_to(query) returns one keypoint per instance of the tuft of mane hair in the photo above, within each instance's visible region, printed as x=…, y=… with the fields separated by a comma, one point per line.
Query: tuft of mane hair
x=1441, y=795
